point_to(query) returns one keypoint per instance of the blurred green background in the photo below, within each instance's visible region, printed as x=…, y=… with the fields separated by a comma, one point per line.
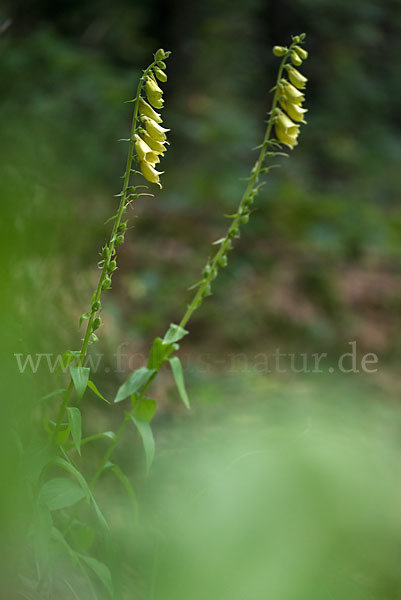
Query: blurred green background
x=317, y=267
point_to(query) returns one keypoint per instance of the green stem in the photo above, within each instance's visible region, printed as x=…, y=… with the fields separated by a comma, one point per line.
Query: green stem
x=224, y=247
x=106, y=265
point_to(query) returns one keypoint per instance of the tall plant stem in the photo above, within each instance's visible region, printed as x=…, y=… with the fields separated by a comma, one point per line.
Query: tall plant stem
x=124, y=197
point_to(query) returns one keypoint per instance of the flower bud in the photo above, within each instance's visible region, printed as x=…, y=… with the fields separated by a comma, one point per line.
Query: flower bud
x=106, y=285
x=112, y=265
x=96, y=306
x=296, y=77
x=119, y=240
x=161, y=75
x=146, y=110
x=223, y=261
x=122, y=227
x=302, y=53
x=296, y=59
x=96, y=323
x=162, y=64
x=156, y=131
x=160, y=54
x=154, y=93
x=244, y=219
x=150, y=173
x=279, y=51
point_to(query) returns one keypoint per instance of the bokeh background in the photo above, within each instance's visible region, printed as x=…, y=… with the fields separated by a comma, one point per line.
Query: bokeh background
x=317, y=267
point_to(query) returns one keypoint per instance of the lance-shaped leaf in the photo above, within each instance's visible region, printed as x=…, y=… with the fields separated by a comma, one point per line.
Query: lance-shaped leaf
x=80, y=377
x=100, y=570
x=174, y=334
x=135, y=382
x=60, y=492
x=148, y=441
x=159, y=353
x=75, y=421
x=178, y=375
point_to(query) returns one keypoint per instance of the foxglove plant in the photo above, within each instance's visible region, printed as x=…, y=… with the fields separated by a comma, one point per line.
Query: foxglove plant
x=59, y=498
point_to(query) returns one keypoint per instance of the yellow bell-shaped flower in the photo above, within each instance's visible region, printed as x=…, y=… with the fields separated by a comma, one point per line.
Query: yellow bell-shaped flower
x=292, y=94
x=147, y=111
x=285, y=124
x=150, y=173
x=142, y=148
x=294, y=111
x=296, y=77
x=154, y=93
x=156, y=131
x=156, y=146
x=285, y=138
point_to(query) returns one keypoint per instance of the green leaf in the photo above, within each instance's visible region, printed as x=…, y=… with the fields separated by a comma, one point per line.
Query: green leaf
x=100, y=570
x=75, y=421
x=76, y=474
x=130, y=490
x=83, y=318
x=59, y=392
x=136, y=381
x=107, y=435
x=174, y=334
x=94, y=389
x=64, y=464
x=148, y=441
x=144, y=408
x=178, y=374
x=60, y=492
x=80, y=377
x=158, y=353
x=63, y=433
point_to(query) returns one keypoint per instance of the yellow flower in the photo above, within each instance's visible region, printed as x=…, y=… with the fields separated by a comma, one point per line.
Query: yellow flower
x=294, y=111
x=154, y=93
x=156, y=131
x=150, y=173
x=156, y=146
x=146, y=110
x=291, y=93
x=285, y=124
x=142, y=148
x=152, y=158
x=296, y=77
x=285, y=138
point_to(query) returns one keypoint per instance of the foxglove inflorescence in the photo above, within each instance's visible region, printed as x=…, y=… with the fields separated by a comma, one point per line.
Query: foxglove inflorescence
x=150, y=138
x=290, y=98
